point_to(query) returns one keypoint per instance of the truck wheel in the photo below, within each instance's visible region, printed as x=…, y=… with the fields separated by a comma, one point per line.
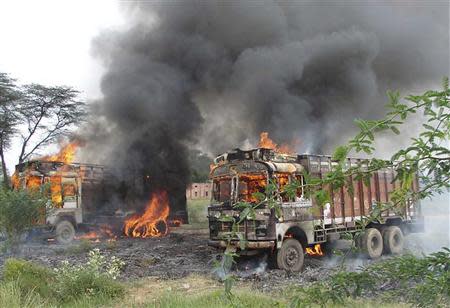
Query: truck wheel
x=290, y=257
x=371, y=243
x=393, y=240
x=65, y=232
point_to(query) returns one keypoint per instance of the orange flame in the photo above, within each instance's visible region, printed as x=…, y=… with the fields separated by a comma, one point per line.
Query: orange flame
x=267, y=143
x=316, y=251
x=153, y=223
x=56, y=190
x=249, y=184
x=104, y=231
x=15, y=181
x=33, y=182
x=65, y=155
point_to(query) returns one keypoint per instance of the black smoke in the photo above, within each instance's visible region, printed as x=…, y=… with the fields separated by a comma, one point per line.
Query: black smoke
x=213, y=74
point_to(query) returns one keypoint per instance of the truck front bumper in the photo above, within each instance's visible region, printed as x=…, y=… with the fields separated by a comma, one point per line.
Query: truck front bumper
x=248, y=244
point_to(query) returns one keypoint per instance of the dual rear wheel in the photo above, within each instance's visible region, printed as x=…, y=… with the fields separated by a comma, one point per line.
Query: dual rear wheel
x=373, y=242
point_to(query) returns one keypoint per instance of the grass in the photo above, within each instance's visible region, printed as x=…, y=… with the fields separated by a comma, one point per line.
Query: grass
x=26, y=284
x=12, y=296
x=197, y=211
x=192, y=291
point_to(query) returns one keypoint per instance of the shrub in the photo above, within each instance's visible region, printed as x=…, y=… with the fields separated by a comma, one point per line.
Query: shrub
x=423, y=282
x=29, y=277
x=95, y=278
x=19, y=211
x=67, y=283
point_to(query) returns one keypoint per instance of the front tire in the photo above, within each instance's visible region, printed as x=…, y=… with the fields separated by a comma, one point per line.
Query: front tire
x=371, y=243
x=65, y=232
x=290, y=257
x=393, y=240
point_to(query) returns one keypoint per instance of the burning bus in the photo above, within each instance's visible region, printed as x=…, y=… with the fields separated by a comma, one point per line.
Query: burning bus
x=89, y=197
x=302, y=225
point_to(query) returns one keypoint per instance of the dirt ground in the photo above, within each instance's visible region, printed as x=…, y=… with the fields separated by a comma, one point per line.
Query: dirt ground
x=181, y=253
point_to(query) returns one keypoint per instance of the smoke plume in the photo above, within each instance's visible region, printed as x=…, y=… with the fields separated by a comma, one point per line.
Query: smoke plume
x=214, y=74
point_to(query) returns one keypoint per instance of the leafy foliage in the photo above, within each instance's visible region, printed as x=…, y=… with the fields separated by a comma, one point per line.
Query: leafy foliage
x=48, y=113
x=199, y=164
x=67, y=283
x=94, y=278
x=9, y=119
x=29, y=276
x=19, y=211
x=424, y=282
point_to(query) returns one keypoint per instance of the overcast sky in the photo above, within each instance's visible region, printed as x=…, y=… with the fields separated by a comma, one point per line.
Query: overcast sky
x=48, y=42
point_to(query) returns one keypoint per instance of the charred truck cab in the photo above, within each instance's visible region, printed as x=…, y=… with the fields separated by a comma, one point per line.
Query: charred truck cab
x=302, y=224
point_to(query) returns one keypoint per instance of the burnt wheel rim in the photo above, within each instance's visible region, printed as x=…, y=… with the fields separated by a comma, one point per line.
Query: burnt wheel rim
x=292, y=257
x=66, y=234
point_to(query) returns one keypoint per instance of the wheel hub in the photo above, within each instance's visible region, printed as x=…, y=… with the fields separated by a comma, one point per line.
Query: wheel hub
x=65, y=234
x=291, y=257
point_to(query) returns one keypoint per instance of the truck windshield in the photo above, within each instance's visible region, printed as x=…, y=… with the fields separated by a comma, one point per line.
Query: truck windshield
x=222, y=189
x=250, y=184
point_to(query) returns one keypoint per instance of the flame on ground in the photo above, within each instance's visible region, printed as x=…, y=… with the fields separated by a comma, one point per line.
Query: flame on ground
x=153, y=223
x=315, y=251
x=104, y=231
x=267, y=143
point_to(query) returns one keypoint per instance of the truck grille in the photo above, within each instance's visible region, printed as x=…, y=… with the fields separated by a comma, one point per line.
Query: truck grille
x=217, y=227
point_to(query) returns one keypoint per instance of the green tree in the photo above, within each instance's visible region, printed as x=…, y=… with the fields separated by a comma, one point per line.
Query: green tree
x=9, y=96
x=199, y=163
x=48, y=114
x=20, y=210
x=427, y=155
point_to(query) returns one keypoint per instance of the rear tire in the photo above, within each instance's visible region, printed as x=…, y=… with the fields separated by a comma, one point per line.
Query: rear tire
x=393, y=240
x=65, y=232
x=371, y=243
x=290, y=256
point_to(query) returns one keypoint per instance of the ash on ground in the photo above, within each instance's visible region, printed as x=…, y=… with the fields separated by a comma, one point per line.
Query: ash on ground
x=180, y=254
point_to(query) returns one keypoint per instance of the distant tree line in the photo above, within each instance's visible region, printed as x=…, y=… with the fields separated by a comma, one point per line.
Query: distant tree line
x=37, y=114
x=199, y=163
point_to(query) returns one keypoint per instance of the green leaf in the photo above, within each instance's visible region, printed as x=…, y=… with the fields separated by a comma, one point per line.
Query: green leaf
x=243, y=215
x=395, y=130
x=340, y=153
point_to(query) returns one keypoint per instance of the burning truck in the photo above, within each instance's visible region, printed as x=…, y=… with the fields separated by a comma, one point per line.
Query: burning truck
x=302, y=226
x=89, y=198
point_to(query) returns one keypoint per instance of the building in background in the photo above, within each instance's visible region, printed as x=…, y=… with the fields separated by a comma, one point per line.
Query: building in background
x=199, y=191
